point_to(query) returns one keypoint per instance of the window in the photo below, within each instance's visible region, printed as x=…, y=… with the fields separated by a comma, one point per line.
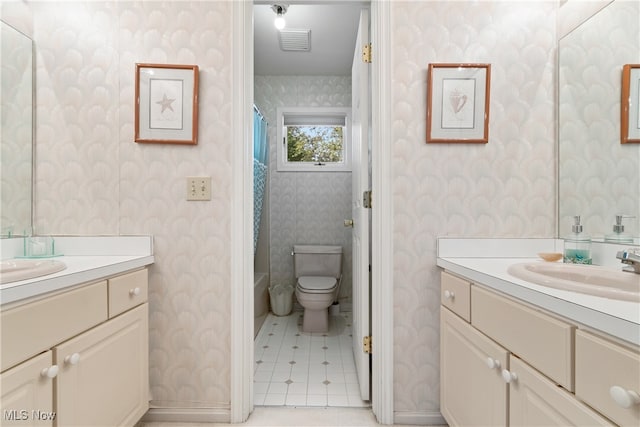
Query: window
x=314, y=139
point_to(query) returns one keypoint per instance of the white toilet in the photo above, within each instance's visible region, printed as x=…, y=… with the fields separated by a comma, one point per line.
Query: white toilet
x=318, y=271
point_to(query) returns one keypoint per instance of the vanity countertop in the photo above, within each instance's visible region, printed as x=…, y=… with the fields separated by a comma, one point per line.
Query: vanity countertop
x=620, y=319
x=87, y=259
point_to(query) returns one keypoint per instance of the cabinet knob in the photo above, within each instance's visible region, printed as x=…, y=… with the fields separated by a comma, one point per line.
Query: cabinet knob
x=624, y=398
x=134, y=292
x=509, y=377
x=449, y=295
x=493, y=363
x=50, y=372
x=72, y=359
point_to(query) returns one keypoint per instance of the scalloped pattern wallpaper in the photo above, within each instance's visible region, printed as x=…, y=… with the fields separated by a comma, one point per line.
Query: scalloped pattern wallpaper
x=505, y=188
x=92, y=178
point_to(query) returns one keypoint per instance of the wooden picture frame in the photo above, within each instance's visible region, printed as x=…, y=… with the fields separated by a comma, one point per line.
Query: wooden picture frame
x=166, y=104
x=630, y=104
x=458, y=103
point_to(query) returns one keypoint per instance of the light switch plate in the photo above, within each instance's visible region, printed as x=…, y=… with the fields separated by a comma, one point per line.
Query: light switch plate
x=198, y=188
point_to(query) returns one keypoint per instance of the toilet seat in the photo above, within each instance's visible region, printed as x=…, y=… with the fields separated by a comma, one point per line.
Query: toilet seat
x=317, y=284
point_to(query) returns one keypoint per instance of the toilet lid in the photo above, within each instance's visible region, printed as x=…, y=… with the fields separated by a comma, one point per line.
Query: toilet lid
x=317, y=283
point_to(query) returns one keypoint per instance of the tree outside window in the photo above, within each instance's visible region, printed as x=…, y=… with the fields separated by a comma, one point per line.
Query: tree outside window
x=317, y=144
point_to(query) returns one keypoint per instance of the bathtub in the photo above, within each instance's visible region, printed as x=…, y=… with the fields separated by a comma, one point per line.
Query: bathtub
x=261, y=300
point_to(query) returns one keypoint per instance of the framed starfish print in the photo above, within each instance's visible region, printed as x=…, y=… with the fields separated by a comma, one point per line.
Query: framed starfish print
x=166, y=104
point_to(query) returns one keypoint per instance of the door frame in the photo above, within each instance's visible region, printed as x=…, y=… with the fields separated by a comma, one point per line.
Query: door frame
x=241, y=262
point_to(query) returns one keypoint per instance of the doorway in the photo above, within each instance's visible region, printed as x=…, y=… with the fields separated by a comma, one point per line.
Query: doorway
x=309, y=200
x=242, y=344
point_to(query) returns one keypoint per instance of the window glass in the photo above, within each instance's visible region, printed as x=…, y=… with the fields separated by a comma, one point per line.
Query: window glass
x=316, y=144
x=314, y=139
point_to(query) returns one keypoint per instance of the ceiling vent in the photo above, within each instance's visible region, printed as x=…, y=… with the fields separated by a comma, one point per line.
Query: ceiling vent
x=295, y=40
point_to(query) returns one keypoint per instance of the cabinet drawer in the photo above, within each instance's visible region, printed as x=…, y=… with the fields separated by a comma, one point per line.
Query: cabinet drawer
x=127, y=291
x=32, y=328
x=543, y=341
x=594, y=378
x=455, y=295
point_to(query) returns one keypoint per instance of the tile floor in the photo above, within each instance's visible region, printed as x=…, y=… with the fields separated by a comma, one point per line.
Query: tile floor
x=294, y=368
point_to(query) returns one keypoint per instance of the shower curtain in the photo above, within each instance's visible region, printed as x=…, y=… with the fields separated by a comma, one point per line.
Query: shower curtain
x=260, y=154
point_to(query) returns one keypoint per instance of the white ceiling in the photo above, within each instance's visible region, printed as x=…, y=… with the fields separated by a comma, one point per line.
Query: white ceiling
x=333, y=34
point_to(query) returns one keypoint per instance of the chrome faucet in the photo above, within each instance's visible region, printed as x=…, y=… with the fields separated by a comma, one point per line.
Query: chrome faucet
x=632, y=258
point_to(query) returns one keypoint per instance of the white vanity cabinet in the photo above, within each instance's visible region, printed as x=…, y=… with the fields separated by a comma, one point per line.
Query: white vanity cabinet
x=506, y=363
x=95, y=372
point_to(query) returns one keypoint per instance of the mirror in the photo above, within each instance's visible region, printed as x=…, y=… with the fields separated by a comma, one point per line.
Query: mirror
x=598, y=176
x=16, y=135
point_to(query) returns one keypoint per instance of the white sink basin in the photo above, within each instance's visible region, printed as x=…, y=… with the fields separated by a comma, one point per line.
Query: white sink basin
x=585, y=279
x=13, y=270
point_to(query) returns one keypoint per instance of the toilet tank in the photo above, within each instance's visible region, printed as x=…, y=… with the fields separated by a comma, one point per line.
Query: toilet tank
x=317, y=260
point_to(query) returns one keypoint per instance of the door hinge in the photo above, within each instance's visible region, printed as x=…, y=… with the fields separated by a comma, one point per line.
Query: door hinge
x=366, y=199
x=366, y=53
x=366, y=344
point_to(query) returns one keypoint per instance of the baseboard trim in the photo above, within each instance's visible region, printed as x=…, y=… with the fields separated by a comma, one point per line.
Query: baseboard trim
x=419, y=418
x=188, y=415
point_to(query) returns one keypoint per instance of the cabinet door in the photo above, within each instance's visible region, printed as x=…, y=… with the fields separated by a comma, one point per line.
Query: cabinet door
x=103, y=376
x=27, y=394
x=536, y=401
x=471, y=392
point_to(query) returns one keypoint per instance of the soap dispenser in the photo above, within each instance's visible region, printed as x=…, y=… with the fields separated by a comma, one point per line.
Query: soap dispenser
x=577, y=246
x=618, y=235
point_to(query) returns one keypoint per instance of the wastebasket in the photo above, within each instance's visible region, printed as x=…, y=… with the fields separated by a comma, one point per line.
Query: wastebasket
x=281, y=296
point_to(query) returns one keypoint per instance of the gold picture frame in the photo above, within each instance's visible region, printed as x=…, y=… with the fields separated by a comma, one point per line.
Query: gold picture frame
x=630, y=104
x=166, y=104
x=458, y=103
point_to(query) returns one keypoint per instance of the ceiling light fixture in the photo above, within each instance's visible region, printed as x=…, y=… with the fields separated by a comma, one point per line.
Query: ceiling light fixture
x=280, y=10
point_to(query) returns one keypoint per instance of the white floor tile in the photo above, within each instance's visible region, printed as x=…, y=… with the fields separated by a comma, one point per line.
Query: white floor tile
x=300, y=376
x=350, y=377
x=258, y=398
x=260, y=388
x=277, y=388
x=317, y=388
x=262, y=376
x=275, y=399
x=280, y=377
x=336, y=389
x=336, y=376
x=341, y=401
x=316, y=400
x=296, y=399
x=297, y=388
x=305, y=369
x=282, y=367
